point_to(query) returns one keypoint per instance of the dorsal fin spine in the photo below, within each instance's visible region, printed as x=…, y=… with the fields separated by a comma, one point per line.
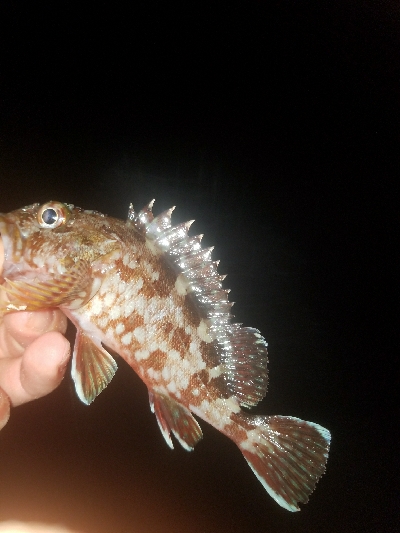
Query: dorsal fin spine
x=242, y=351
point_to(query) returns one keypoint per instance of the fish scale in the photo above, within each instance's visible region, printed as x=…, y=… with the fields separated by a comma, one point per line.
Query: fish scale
x=150, y=292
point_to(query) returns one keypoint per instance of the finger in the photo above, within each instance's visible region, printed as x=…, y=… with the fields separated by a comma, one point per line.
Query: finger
x=12, y=526
x=22, y=328
x=43, y=364
x=1, y=255
x=41, y=370
x=4, y=408
x=38, y=372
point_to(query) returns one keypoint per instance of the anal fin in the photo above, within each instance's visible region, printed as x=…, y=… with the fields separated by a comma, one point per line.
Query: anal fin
x=92, y=367
x=174, y=417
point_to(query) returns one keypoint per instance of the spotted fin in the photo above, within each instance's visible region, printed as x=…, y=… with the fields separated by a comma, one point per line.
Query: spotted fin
x=62, y=289
x=242, y=351
x=174, y=417
x=92, y=367
x=287, y=455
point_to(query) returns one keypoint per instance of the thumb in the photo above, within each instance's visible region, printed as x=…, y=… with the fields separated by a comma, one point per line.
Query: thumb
x=4, y=408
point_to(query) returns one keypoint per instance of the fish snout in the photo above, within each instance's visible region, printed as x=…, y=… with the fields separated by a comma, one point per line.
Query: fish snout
x=11, y=243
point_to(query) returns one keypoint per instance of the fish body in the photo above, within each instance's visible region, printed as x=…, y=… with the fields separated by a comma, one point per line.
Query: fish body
x=148, y=291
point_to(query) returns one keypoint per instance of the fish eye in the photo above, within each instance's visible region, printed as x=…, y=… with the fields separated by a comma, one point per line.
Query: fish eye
x=52, y=215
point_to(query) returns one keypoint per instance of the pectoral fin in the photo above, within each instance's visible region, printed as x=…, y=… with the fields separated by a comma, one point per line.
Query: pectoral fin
x=172, y=416
x=75, y=285
x=92, y=367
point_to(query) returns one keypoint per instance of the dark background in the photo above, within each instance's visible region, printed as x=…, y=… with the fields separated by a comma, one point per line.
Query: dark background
x=276, y=126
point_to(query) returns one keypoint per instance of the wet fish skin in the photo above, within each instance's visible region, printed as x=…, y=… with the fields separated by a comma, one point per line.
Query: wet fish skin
x=151, y=293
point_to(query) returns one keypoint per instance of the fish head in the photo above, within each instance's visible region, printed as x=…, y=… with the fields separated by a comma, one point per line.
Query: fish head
x=51, y=253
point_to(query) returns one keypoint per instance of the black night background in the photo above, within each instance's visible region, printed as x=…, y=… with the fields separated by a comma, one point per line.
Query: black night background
x=275, y=125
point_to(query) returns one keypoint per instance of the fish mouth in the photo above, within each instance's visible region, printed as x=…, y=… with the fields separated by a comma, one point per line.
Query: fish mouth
x=11, y=246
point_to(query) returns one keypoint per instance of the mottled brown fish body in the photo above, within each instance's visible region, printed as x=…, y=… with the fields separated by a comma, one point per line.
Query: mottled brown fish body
x=151, y=293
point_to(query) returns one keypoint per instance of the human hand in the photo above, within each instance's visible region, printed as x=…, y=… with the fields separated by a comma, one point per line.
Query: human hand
x=31, y=527
x=33, y=354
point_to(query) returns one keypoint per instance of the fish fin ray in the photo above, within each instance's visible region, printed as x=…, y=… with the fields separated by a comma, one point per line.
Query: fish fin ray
x=41, y=294
x=92, y=367
x=172, y=417
x=243, y=353
x=287, y=455
x=162, y=423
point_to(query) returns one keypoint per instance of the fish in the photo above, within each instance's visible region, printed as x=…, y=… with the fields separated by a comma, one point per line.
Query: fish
x=148, y=291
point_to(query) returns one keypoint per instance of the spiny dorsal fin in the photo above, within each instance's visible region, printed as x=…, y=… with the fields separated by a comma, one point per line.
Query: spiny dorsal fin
x=241, y=351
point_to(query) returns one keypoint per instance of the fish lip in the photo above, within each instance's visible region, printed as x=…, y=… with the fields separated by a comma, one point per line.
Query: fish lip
x=10, y=234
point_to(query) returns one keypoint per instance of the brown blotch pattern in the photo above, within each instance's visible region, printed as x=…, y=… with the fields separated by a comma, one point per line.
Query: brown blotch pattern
x=220, y=384
x=168, y=327
x=133, y=321
x=148, y=290
x=191, y=312
x=181, y=341
x=126, y=274
x=34, y=244
x=85, y=240
x=213, y=390
x=235, y=431
x=202, y=376
x=239, y=418
x=167, y=277
x=156, y=360
x=210, y=389
x=209, y=354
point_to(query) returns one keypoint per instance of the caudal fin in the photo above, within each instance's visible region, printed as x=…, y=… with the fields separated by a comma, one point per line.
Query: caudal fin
x=287, y=455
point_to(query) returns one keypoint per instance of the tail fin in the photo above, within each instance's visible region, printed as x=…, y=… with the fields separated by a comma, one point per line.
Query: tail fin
x=287, y=455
